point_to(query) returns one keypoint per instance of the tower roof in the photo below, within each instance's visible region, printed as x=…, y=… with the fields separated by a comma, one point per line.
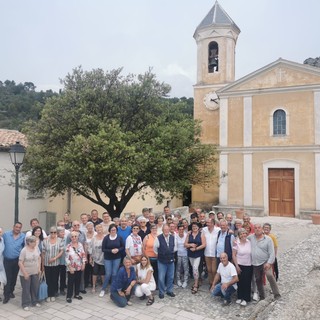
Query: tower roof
x=217, y=17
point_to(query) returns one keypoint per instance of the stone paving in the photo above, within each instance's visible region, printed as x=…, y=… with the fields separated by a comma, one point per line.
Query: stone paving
x=299, y=262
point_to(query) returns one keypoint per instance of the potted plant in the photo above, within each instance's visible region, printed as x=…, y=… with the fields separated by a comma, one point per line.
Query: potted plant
x=315, y=218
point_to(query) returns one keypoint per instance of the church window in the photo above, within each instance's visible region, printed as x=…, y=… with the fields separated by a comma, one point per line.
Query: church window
x=279, y=123
x=213, y=57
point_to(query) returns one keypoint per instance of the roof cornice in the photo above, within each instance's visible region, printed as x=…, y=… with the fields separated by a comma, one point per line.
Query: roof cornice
x=282, y=149
x=279, y=62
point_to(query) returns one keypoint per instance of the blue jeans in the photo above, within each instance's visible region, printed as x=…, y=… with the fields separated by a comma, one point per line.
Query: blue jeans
x=111, y=269
x=165, y=277
x=226, y=294
x=121, y=301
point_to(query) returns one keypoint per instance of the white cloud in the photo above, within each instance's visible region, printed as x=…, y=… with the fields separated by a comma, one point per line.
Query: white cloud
x=176, y=70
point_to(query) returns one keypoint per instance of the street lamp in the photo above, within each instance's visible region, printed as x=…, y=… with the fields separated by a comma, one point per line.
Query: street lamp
x=17, y=153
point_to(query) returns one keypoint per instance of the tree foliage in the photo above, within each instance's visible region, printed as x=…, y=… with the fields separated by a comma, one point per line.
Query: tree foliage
x=19, y=103
x=112, y=135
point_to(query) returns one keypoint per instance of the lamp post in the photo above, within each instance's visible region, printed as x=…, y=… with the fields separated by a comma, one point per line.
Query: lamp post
x=17, y=153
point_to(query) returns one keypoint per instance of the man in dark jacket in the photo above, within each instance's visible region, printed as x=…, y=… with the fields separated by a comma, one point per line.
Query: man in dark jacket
x=165, y=247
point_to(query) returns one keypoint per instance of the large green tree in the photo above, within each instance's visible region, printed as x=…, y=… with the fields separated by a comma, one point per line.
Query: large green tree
x=108, y=135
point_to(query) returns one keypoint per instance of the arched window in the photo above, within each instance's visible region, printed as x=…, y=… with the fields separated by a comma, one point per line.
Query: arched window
x=279, y=123
x=213, y=57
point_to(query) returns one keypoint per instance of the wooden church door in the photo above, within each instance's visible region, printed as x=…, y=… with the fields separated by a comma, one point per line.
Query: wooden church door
x=281, y=192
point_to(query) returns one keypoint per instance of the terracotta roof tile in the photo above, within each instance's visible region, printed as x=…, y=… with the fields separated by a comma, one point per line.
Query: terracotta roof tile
x=10, y=137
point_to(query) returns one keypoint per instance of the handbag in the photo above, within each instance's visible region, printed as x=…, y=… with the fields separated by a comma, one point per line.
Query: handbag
x=43, y=288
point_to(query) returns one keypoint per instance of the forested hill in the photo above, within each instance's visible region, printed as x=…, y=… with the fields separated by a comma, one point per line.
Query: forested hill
x=19, y=103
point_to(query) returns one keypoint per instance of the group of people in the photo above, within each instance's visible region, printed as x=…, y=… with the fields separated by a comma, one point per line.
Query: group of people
x=137, y=255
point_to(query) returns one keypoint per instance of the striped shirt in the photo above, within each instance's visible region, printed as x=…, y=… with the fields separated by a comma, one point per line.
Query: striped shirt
x=52, y=250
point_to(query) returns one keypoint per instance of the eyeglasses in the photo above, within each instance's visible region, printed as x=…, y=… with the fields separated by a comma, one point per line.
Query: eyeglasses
x=74, y=236
x=76, y=225
x=53, y=231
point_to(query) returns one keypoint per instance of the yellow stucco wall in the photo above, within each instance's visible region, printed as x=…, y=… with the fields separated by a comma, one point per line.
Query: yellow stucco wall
x=300, y=123
x=205, y=194
x=209, y=118
x=235, y=177
x=82, y=205
x=300, y=132
x=282, y=76
x=210, y=134
x=235, y=122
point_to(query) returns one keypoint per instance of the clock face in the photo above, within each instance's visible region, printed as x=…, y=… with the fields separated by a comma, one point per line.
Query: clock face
x=211, y=101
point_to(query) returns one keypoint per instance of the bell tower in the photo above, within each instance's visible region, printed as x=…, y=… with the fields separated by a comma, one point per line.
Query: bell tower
x=216, y=38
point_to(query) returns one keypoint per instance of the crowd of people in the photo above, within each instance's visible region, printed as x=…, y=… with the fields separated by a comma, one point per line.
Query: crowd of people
x=137, y=255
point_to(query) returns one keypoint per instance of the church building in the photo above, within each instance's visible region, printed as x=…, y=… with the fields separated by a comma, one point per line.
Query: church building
x=266, y=126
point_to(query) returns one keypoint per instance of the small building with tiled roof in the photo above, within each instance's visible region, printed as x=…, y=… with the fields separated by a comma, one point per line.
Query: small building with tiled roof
x=10, y=137
x=29, y=205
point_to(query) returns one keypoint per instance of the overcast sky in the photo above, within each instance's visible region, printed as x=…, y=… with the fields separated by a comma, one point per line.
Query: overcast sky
x=43, y=40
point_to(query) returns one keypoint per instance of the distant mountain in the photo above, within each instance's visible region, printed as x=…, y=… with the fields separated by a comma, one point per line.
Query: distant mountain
x=20, y=103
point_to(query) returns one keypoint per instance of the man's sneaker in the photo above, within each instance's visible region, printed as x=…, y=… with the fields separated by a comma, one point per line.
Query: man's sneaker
x=238, y=301
x=37, y=305
x=26, y=308
x=184, y=285
x=243, y=303
x=179, y=283
x=53, y=299
x=255, y=296
x=48, y=299
x=101, y=294
x=226, y=303
x=277, y=296
x=129, y=303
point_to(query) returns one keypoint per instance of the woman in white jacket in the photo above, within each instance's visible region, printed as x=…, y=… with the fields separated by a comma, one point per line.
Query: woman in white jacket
x=145, y=280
